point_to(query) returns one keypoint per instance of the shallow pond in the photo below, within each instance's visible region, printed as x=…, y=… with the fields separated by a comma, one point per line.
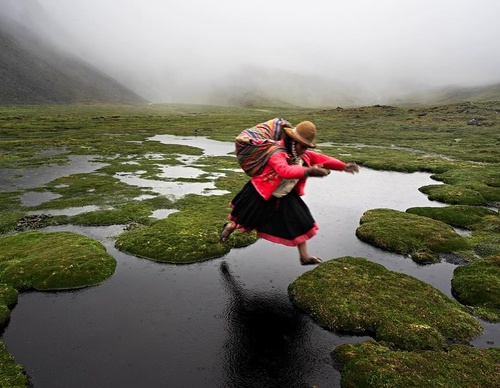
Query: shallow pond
x=226, y=322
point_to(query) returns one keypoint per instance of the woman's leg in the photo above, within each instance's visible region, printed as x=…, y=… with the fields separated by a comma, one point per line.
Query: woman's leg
x=227, y=229
x=305, y=258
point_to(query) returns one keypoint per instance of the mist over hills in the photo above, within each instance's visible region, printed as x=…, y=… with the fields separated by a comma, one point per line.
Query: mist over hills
x=41, y=63
x=35, y=71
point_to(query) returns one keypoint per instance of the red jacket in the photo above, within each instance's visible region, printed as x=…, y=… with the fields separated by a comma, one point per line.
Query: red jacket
x=277, y=169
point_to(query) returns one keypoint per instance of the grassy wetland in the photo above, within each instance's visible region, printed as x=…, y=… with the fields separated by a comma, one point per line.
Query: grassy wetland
x=419, y=334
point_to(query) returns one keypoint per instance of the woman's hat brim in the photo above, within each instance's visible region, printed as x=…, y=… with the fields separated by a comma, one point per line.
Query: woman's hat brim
x=292, y=132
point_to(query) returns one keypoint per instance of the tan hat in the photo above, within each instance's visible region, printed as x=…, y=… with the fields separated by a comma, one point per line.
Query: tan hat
x=304, y=133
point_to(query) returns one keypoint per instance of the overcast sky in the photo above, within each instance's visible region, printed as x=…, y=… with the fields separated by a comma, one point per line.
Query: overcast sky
x=375, y=43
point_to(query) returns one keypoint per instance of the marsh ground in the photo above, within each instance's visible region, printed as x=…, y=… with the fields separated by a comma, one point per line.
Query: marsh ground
x=459, y=142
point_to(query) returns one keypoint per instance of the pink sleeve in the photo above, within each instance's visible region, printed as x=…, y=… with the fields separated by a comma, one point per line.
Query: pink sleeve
x=287, y=171
x=327, y=161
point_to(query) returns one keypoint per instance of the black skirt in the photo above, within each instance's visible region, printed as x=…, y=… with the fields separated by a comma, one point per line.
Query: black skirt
x=286, y=220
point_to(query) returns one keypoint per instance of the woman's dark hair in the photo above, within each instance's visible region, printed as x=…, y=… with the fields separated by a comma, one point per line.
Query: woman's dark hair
x=288, y=143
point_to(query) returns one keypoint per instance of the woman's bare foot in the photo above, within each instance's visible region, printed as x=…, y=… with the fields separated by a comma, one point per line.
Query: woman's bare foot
x=310, y=260
x=227, y=229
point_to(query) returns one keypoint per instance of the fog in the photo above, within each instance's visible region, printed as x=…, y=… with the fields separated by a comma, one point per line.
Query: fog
x=317, y=50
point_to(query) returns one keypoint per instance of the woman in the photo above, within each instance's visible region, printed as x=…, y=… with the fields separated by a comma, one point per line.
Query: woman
x=270, y=202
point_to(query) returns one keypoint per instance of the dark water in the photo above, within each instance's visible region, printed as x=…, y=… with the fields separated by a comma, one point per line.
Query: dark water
x=226, y=322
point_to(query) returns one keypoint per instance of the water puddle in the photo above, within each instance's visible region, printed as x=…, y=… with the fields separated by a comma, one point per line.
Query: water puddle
x=173, y=190
x=34, y=198
x=12, y=180
x=162, y=213
x=210, y=147
x=71, y=211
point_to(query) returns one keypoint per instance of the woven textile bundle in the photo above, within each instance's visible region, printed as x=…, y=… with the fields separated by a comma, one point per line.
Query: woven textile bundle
x=255, y=145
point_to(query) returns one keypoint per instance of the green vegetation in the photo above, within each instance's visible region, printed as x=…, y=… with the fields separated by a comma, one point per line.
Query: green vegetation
x=355, y=295
x=478, y=285
x=53, y=261
x=371, y=364
x=191, y=235
x=457, y=143
x=11, y=374
x=464, y=217
x=420, y=237
x=454, y=194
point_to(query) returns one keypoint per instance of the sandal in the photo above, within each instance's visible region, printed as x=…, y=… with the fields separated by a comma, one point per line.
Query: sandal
x=311, y=260
x=227, y=229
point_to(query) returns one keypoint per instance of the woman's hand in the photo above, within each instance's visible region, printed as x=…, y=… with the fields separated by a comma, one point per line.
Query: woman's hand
x=317, y=171
x=351, y=168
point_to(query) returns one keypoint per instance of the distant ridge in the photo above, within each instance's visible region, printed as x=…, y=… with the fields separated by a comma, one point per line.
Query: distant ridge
x=453, y=95
x=32, y=71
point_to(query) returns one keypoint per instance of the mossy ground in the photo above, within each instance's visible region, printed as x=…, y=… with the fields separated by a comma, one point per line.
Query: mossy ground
x=372, y=364
x=478, y=285
x=53, y=261
x=355, y=295
x=11, y=374
x=460, y=216
x=420, y=237
x=433, y=139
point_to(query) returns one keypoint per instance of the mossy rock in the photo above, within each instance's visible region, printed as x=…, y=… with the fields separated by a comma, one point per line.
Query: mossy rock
x=355, y=295
x=460, y=216
x=478, y=285
x=409, y=234
x=454, y=194
x=370, y=364
x=11, y=374
x=188, y=236
x=53, y=261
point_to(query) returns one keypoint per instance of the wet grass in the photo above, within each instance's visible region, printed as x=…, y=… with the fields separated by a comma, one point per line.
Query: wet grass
x=478, y=285
x=439, y=140
x=11, y=374
x=355, y=295
x=464, y=217
x=192, y=234
x=371, y=364
x=420, y=237
x=53, y=261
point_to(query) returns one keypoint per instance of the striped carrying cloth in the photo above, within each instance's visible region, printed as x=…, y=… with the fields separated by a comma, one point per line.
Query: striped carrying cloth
x=255, y=145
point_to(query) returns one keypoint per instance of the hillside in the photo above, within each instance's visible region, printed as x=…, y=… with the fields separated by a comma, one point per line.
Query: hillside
x=33, y=71
x=453, y=95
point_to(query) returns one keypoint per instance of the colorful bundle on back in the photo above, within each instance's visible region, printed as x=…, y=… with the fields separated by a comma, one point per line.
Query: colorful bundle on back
x=255, y=145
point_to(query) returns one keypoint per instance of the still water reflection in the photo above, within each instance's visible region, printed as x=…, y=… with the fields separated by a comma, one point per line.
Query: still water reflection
x=227, y=322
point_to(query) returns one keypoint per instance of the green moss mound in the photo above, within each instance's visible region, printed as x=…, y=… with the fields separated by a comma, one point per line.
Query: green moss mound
x=11, y=375
x=374, y=365
x=454, y=194
x=478, y=285
x=358, y=296
x=53, y=261
x=460, y=216
x=485, y=224
x=482, y=179
x=190, y=235
x=409, y=234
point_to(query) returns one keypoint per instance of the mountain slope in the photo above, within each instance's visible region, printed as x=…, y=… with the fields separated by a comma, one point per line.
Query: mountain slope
x=32, y=71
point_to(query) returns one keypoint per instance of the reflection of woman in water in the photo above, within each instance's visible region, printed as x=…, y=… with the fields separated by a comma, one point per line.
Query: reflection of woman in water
x=270, y=202
x=268, y=339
